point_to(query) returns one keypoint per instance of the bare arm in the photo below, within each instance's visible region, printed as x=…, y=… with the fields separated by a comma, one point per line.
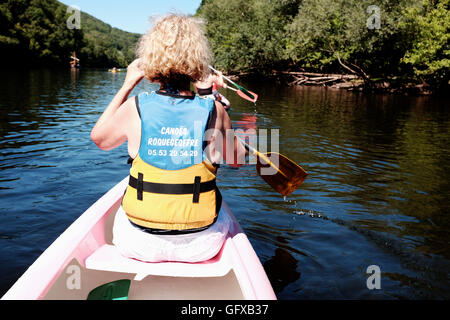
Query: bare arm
x=113, y=127
x=218, y=79
x=221, y=139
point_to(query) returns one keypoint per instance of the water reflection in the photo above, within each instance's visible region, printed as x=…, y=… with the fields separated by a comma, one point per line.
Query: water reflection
x=378, y=165
x=247, y=121
x=282, y=269
x=377, y=190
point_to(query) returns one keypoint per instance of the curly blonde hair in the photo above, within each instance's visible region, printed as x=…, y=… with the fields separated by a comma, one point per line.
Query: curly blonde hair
x=175, y=48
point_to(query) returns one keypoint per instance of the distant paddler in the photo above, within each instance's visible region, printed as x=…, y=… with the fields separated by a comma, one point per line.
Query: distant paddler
x=75, y=63
x=115, y=70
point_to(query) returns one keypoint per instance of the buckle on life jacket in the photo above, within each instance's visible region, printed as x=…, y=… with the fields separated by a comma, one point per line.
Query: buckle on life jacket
x=140, y=187
x=165, y=188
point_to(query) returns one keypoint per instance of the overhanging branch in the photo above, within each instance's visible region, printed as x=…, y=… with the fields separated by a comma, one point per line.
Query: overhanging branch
x=355, y=70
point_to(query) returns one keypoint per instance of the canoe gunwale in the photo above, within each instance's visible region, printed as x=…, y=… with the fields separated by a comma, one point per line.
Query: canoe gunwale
x=40, y=276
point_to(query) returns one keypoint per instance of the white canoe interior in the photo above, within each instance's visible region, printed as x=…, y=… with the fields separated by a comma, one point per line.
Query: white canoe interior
x=84, y=258
x=172, y=280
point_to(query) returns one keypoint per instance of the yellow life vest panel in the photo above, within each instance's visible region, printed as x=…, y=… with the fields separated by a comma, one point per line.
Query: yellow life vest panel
x=172, y=185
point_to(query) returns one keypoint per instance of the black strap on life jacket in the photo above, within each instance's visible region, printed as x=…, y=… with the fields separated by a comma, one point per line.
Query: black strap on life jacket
x=196, y=188
x=164, y=188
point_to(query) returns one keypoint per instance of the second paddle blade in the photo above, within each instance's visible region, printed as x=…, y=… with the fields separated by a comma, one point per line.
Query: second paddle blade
x=247, y=97
x=286, y=179
x=116, y=290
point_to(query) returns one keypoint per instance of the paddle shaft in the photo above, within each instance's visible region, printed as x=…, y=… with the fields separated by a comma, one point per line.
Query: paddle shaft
x=259, y=154
x=235, y=84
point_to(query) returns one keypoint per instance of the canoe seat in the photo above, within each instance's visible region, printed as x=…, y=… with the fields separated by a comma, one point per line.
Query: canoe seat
x=108, y=258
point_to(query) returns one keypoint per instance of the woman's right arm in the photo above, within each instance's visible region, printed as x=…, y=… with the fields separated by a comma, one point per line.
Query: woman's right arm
x=218, y=79
x=223, y=146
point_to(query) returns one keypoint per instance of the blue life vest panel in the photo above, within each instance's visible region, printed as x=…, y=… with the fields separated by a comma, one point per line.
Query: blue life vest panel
x=173, y=129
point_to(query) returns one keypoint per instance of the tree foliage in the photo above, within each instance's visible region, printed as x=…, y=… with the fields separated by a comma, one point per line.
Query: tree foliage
x=106, y=46
x=429, y=29
x=410, y=42
x=35, y=33
x=325, y=31
x=32, y=32
x=248, y=35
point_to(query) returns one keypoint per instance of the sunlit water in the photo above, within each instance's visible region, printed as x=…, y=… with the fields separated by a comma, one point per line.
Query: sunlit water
x=377, y=191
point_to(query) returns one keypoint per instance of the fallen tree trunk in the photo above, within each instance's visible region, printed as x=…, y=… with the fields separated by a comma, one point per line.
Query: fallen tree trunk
x=351, y=82
x=306, y=78
x=313, y=74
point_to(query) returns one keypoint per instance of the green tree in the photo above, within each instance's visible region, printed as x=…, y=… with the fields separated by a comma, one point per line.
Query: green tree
x=35, y=33
x=428, y=28
x=411, y=41
x=328, y=33
x=248, y=35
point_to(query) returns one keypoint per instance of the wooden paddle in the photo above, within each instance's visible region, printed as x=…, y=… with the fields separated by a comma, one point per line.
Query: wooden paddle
x=289, y=175
x=244, y=93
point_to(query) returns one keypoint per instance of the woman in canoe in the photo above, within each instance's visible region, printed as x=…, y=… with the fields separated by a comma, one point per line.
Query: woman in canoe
x=209, y=87
x=171, y=208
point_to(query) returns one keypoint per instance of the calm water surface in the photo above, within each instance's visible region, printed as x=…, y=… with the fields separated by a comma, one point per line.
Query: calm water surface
x=377, y=192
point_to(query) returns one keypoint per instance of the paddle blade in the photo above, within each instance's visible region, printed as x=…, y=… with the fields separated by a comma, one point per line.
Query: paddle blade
x=250, y=96
x=116, y=290
x=288, y=177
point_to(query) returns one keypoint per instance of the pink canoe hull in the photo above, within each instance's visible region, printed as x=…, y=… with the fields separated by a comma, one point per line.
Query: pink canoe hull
x=85, y=244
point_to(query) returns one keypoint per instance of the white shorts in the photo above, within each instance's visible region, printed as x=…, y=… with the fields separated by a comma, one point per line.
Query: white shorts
x=194, y=247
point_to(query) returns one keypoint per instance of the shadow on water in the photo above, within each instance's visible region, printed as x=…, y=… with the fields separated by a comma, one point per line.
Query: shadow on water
x=282, y=269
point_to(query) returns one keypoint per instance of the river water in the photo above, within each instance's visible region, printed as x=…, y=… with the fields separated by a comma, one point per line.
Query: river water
x=377, y=193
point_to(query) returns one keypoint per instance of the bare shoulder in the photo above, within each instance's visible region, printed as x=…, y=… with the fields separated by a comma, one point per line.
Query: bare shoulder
x=128, y=117
x=129, y=108
x=130, y=103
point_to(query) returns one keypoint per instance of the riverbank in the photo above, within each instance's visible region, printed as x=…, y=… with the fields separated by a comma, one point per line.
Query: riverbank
x=349, y=82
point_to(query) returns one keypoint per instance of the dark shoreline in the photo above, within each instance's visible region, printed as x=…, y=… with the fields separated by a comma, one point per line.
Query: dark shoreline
x=349, y=82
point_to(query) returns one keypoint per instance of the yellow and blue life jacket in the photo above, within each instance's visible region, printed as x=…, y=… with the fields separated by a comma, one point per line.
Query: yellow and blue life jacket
x=172, y=187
